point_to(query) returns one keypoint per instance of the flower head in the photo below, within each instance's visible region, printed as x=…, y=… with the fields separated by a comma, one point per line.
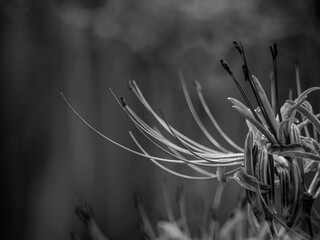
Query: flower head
x=277, y=154
x=282, y=145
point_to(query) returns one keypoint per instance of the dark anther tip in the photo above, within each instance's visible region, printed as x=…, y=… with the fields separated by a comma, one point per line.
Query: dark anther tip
x=271, y=50
x=275, y=49
x=237, y=46
x=225, y=65
x=123, y=101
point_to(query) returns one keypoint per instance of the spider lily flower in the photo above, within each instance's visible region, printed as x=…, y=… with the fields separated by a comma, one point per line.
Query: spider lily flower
x=279, y=150
x=262, y=121
x=276, y=154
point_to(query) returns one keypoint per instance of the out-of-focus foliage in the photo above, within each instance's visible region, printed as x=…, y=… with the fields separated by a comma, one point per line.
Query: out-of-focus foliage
x=84, y=47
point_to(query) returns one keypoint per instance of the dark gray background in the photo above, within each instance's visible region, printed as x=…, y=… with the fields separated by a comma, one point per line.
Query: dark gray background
x=82, y=48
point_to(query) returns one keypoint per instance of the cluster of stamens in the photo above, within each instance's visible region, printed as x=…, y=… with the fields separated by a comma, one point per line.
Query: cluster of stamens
x=282, y=145
x=277, y=155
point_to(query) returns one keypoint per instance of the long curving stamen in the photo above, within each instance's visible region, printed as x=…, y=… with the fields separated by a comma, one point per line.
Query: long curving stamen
x=177, y=137
x=213, y=121
x=174, y=151
x=196, y=117
x=145, y=129
x=133, y=151
x=181, y=142
x=192, y=144
x=189, y=163
x=159, y=137
x=167, y=169
x=154, y=159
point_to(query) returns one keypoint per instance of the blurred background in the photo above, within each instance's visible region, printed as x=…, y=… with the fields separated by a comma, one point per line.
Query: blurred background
x=84, y=47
